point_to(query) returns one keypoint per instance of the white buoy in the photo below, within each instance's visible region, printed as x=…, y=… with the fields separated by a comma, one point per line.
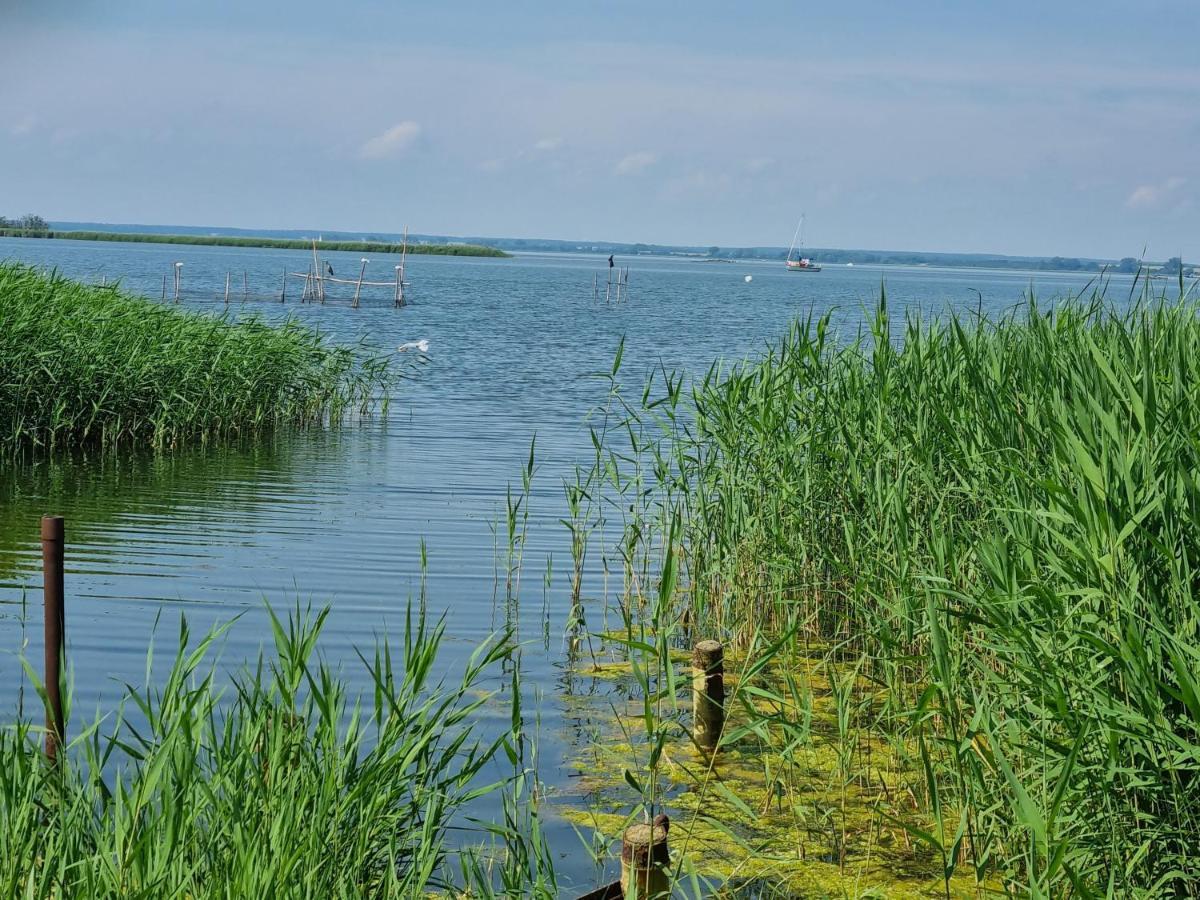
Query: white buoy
x=748, y=279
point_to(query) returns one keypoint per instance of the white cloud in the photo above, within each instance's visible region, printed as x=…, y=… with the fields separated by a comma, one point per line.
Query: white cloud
x=547, y=144
x=636, y=163
x=1148, y=196
x=392, y=142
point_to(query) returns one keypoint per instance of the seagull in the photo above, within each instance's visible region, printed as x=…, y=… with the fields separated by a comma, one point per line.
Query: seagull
x=421, y=346
x=330, y=269
x=610, y=261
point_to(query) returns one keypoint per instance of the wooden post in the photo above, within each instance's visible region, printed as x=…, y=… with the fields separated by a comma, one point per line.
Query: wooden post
x=708, y=694
x=178, y=279
x=245, y=286
x=164, y=296
x=358, y=287
x=399, y=287
x=317, y=270
x=55, y=630
x=645, y=860
x=227, y=286
x=283, y=288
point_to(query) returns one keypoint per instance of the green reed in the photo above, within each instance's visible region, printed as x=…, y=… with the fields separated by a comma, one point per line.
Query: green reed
x=91, y=366
x=991, y=531
x=217, y=240
x=280, y=784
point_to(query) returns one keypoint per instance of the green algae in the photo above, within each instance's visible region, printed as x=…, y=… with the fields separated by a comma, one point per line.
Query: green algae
x=768, y=816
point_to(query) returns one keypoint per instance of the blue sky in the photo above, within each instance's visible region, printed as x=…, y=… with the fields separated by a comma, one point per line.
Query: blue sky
x=1045, y=128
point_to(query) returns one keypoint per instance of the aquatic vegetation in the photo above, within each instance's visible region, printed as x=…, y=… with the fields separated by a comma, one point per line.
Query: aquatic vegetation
x=94, y=366
x=277, y=785
x=219, y=240
x=994, y=528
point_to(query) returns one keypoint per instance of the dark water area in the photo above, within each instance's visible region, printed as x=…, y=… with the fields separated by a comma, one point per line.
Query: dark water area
x=339, y=516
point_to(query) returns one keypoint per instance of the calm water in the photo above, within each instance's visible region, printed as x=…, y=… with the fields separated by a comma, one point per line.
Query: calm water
x=338, y=517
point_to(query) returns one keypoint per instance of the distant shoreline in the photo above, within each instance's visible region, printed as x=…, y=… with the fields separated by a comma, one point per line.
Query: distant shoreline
x=265, y=242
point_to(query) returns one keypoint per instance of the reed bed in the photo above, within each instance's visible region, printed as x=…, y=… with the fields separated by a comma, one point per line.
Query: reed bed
x=990, y=532
x=218, y=240
x=95, y=366
x=277, y=783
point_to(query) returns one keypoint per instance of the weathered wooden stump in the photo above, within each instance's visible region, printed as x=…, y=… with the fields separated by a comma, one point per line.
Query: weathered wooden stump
x=708, y=694
x=646, y=861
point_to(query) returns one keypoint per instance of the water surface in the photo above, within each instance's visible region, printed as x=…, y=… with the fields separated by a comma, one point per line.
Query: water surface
x=338, y=517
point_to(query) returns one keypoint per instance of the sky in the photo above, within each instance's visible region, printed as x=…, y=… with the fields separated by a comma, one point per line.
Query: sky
x=1041, y=128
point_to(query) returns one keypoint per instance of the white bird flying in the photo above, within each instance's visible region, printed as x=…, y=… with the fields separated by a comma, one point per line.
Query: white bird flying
x=421, y=346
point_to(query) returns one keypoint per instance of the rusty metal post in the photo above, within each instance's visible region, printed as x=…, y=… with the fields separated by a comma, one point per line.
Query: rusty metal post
x=708, y=694
x=52, y=593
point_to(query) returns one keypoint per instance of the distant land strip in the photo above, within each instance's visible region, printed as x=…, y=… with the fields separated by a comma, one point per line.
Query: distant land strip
x=208, y=240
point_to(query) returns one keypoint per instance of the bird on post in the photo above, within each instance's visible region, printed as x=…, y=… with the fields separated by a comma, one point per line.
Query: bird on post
x=610, y=261
x=329, y=269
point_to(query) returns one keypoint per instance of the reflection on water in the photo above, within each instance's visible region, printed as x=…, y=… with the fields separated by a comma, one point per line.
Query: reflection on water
x=338, y=516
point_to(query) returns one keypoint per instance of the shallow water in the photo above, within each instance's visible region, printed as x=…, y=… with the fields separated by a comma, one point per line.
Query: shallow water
x=338, y=517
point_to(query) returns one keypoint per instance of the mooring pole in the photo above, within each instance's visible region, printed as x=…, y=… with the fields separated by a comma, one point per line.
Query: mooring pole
x=55, y=634
x=645, y=860
x=358, y=287
x=245, y=286
x=178, y=279
x=164, y=296
x=399, y=288
x=227, y=286
x=708, y=694
x=283, y=288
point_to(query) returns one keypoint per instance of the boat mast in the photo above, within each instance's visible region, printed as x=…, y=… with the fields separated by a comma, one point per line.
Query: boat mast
x=796, y=234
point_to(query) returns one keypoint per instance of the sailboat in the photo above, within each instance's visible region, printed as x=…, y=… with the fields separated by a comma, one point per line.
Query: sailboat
x=802, y=263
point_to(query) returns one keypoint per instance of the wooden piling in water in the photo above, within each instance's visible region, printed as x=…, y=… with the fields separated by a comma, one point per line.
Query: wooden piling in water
x=645, y=860
x=53, y=534
x=245, y=286
x=178, y=267
x=283, y=288
x=227, y=287
x=164, y=296
x=358, y=287
x=708, y=694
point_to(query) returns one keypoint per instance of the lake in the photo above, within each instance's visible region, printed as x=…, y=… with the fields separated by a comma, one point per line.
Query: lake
x=339, y=516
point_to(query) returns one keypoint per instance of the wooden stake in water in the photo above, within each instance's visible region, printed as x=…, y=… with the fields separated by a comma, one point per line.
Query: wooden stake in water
x=178, y=279
x=164, y=296
x=53, y=533
x=358, y=287
x=227, y=287
x=403, y=257
x=708, y=694
x=399, y=299
x=317, y=270
x=283, y=288
x=645, y=860
x=245, y=286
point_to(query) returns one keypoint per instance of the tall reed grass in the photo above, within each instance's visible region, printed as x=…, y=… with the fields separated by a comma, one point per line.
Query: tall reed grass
x=90, y=366
x=277, y=784
x=993, y=528
x=221, y=240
